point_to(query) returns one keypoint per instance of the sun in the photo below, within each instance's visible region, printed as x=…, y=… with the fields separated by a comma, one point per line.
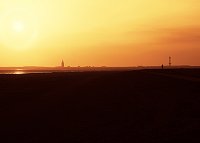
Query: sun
x=18, y=29
x=18, y=26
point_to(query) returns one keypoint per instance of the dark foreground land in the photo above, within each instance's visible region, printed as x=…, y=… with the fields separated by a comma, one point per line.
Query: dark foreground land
x=141, y=106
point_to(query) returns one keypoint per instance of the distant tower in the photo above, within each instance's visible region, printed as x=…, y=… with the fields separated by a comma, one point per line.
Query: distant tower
x=62, y=64
x=170, y=61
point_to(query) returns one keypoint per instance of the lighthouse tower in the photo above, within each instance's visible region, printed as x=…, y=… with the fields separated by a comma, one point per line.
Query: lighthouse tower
x=62, y=64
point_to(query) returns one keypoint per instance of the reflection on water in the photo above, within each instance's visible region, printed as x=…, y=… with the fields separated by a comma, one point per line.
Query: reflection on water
x=13, y=72
x=19, y=72
x=22, y=71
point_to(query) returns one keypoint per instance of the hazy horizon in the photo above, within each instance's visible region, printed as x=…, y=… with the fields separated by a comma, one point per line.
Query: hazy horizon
x=112, y=33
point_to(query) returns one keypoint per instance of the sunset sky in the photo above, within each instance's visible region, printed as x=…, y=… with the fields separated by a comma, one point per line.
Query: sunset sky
x=99, y=32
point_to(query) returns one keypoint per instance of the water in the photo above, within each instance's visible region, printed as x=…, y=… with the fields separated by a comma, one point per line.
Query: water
x=19, y=72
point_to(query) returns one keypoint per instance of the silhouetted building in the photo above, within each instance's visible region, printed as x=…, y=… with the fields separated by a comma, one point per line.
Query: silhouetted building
x=62, y=64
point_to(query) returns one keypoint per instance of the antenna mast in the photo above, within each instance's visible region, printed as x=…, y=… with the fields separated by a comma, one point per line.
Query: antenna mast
x=170, y=61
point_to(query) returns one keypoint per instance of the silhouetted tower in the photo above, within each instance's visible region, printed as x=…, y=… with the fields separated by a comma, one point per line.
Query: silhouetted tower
x=62, y=64
x=170, y=61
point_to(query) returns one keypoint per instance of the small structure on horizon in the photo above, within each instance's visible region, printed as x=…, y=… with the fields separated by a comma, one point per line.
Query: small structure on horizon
x=170, y=61
x=62, y=64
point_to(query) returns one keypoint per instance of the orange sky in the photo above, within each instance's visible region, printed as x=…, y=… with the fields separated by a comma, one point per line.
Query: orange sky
x=99, y=33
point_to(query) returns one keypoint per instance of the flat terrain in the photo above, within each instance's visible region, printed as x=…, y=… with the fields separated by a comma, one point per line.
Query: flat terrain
x=139, y=106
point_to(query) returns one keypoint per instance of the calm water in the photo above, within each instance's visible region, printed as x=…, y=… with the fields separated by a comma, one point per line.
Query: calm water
x=18, y=72
x=22, y=72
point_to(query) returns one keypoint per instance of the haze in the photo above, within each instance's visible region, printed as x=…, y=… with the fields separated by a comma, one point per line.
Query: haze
x=99, y=33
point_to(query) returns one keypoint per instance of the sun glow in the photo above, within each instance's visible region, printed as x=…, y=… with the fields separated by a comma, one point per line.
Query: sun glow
x=18, y=26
